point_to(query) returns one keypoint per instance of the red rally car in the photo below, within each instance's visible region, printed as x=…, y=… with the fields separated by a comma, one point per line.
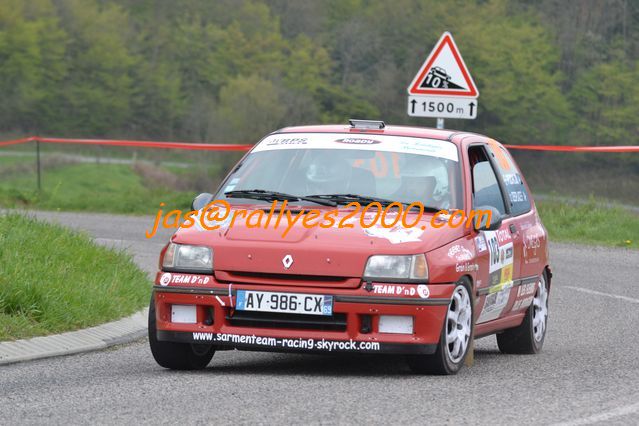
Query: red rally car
x=411, y=283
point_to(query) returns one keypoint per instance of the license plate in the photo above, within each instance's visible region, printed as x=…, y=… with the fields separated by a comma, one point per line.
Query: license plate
x=185, y=314
x=291, y=303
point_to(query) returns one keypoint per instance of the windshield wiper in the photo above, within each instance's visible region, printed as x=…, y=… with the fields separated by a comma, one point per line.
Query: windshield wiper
x=262, y=194
x=348, y=198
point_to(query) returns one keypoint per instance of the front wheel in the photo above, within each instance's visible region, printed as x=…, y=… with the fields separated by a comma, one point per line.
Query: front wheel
x=455, y=338
x=177, y=356
x=529, y=337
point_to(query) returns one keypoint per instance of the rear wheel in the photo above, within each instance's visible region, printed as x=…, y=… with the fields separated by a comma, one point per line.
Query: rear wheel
x=529, y=337
x=177, y=356
x=455, y=338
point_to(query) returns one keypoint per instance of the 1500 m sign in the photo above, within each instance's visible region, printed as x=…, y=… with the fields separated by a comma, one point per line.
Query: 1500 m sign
x=443, y=107
x=443, y=86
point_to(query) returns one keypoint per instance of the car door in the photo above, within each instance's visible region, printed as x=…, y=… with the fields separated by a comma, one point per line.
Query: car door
x=499, y=252
x=531, y=232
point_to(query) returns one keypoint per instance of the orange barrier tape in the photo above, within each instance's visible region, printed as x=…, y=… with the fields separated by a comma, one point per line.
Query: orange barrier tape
x=17, y=141
x=140, y=144
x=233, y=147
x=629, y=148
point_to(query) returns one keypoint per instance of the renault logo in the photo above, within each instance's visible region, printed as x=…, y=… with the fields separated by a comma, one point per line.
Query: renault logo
x=287, y=261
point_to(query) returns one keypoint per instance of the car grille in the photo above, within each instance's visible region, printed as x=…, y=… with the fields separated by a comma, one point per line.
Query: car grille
x=290, y=277
x=335, y=322
x=286, y=279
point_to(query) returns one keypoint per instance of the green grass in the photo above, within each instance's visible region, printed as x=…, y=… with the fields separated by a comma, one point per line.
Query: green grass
x=54, y=280
x=110, y=188
x=590, y=223
x=11, y=160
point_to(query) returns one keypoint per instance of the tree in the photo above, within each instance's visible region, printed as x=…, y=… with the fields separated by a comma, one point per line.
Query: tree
x=96, y=94
x=606, y=99
x=249, y=108
x=32, y=58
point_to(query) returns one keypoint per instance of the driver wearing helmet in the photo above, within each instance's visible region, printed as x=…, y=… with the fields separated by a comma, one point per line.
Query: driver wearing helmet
x=423, y=179
x=326, y=175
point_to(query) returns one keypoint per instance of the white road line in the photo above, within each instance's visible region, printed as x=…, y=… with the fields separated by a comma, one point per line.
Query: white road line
x=599, y=293
x=603, y=417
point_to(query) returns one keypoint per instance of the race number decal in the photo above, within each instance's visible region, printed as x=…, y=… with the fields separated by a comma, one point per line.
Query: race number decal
x=493, y=251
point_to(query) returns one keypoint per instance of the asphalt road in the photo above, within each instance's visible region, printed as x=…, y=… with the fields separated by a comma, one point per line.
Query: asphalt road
x=587, y=373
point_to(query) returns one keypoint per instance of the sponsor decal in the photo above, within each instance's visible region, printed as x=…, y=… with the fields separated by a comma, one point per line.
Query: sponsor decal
x=423, y=291
x=523, y=303
x=498, y=255
x=525, y=225
x=502, y=235
x=402, y=290
x=165, y=279
x=460, y=253
x=287, y=141
x=500, y=269
x=358, y=141
x=525, y=296
x=526, y=289
x=168, y=278
x=495, y=303
x=506, y=274
x=499, y=287
x=480, y=243
x=292, y=343
x=517, y=196
x=512, y=179
x=466, y=267
x=396, y=235
x=396, y=290
x=231, y=185
x=532, y=242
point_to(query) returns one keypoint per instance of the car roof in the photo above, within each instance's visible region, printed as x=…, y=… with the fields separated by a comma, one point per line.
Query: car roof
x=454, y=136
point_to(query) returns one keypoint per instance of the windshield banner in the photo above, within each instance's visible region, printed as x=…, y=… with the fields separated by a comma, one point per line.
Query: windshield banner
x=372, y=142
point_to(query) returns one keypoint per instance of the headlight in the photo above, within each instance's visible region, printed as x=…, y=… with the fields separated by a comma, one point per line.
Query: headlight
x=186, y=258
x=381, y=267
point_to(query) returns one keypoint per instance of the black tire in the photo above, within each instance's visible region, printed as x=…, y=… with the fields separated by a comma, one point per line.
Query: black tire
x=440, y=363
x=521, y=340
x=177, y=356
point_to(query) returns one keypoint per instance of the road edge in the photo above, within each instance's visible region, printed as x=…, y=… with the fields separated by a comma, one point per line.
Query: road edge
x=125, y=330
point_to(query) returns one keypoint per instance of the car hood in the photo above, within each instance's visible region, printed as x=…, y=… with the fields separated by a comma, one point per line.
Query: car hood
x=327, y=252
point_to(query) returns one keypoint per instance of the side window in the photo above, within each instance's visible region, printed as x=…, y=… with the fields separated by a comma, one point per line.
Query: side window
x=515, y=188
x=486, y=191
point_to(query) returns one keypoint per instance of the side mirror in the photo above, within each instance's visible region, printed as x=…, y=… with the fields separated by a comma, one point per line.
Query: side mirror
x=495, y=219
x=201, y=201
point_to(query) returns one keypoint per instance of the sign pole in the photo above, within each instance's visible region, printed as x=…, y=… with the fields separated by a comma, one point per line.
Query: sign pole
x=440, y=123
x=38, y=165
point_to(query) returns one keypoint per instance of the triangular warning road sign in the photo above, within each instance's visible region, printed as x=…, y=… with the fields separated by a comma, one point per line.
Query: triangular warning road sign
x=444, y=72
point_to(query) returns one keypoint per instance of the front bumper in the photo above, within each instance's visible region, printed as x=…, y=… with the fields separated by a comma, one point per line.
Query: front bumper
x=355, y=327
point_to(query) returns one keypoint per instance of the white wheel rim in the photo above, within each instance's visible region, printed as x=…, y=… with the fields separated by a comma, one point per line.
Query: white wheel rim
x=458, y=322
x=540, y=310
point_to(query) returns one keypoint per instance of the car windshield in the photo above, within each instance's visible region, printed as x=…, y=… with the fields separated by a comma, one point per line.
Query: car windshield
x=395, y=168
